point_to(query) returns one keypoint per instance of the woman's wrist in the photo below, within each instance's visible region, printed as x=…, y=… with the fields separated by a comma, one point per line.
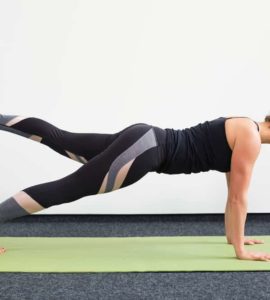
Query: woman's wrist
x=239, y=250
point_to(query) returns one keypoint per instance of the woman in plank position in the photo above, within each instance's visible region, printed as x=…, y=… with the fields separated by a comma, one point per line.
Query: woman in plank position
x=115, y=160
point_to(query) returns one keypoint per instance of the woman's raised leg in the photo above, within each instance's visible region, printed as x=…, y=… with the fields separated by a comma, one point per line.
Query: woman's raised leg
x=80, y=147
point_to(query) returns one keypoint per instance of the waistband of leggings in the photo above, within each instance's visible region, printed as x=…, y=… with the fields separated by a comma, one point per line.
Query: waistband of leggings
x=161, y=135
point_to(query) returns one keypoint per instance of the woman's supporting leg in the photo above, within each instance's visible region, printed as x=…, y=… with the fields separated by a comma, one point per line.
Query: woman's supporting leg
x=80, y=147
x=137, y=150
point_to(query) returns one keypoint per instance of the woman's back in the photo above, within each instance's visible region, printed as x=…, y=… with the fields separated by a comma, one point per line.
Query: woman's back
x=200, y=148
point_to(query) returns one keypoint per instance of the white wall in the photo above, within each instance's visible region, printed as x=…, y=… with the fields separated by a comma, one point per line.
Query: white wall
x=108, y=64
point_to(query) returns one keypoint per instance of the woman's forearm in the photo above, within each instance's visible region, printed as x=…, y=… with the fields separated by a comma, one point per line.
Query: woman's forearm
x=227, y=224
x=236, y=218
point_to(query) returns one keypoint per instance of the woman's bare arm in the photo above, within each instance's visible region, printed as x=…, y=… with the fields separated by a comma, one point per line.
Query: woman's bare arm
x=245, y=153
x=227, y=224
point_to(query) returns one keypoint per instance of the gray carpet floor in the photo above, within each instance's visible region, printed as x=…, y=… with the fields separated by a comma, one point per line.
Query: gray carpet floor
x=136, y=285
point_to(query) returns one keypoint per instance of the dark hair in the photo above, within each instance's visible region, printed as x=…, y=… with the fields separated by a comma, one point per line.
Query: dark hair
x=267, y=118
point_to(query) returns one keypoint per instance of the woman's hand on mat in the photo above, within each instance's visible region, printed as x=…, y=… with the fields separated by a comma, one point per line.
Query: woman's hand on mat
x=2, y=250
x=247, y=255
x=248, y=241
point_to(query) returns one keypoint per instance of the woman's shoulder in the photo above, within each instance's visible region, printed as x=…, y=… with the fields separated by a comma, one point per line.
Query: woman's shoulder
x=243, y=123
x=238, y=128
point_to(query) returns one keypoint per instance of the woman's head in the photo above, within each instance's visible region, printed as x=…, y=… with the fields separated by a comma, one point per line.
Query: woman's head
x=264, y=129
x=267, y=118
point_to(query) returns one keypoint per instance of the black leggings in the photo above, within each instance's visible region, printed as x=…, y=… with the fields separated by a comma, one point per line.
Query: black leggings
x=110, y=162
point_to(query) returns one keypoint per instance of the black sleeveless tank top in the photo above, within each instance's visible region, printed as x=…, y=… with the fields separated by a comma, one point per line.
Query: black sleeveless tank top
x=197, y=149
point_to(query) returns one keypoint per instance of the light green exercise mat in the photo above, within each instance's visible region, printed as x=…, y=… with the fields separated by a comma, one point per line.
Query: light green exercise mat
x=126, y=254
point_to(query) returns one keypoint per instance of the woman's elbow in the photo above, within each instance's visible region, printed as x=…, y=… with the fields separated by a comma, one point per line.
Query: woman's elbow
x=237, y=197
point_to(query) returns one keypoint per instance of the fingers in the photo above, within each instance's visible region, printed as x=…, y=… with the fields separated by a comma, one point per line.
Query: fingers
x=260, y=256
x=264, y=258
x=248, y=242
x=253, y=241
x=258, y=241
x=254, y=256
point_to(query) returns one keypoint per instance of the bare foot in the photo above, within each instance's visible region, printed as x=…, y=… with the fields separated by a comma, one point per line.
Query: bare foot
x=2, y=250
